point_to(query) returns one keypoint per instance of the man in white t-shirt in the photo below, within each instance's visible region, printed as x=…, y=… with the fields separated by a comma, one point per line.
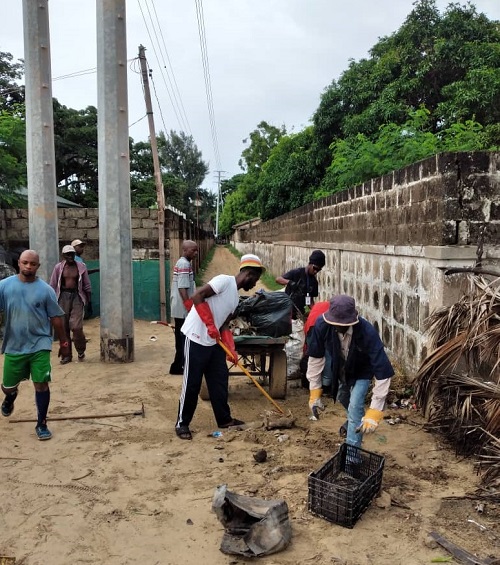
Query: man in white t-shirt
x=183, y=287
x=206, y=323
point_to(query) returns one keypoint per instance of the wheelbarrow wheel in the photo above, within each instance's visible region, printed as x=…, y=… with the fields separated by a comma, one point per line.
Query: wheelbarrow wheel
x=277, y=375
x=204, y=395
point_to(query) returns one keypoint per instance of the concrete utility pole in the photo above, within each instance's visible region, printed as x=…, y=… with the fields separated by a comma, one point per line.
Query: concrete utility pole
x=160, y=195
x=40, y=153
x=115, y=235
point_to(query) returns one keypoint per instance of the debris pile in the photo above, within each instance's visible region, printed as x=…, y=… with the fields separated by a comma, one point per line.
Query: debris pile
x=458, y=384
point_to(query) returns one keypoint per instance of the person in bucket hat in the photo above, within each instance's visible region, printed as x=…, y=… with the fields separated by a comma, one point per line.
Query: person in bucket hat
x=356, y=355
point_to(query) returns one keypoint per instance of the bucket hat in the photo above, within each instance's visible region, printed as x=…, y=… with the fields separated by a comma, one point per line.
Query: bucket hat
x=342, y=311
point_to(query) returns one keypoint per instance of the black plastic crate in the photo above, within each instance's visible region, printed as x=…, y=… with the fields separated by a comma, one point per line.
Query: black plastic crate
x=346, y=484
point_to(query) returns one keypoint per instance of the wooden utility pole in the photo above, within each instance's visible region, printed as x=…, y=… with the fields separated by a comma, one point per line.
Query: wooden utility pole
x=160, y=196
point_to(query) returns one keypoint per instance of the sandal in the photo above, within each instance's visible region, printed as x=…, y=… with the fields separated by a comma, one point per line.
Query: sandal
x=233, y=422
x=183, y=432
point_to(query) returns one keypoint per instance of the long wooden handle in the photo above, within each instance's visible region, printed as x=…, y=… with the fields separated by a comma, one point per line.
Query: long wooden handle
x=247, y=373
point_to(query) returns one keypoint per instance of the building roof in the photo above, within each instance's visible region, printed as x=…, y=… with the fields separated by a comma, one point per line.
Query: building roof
x=61, y=202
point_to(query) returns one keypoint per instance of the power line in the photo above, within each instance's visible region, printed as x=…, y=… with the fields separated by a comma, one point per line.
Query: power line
x=173, y=102
x=176, y=89
x=206, y=73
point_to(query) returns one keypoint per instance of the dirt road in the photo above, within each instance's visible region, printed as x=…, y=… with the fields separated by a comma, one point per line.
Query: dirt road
x=123, y=491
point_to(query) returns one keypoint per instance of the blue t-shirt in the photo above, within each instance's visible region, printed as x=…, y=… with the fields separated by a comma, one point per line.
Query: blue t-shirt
x=27, y=307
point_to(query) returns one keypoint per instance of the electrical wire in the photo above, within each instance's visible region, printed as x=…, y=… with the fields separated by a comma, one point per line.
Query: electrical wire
x=206, y=73
x=180, y=121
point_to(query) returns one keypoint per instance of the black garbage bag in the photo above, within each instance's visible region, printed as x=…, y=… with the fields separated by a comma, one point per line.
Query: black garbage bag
x=270, y=313
x=253, y=526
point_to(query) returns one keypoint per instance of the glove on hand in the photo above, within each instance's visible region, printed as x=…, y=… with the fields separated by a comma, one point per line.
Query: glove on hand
x=370, y=421
x=188, y=304
x=315, y=403
x=207, y=318
x=228, y=341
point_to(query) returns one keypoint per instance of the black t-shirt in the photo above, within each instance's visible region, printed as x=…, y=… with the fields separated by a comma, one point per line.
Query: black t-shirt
x=307, y=285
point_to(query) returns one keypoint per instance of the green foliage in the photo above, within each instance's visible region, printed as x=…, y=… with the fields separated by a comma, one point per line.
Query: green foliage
x=360, y=158
x=290, y=175
x=266, y=279
x=262, y=140
x=240, y=205
x=449, y=63
x=12, y=158
x=200, y=275
x=11, y=94
x=180, y=157
x=75, y=140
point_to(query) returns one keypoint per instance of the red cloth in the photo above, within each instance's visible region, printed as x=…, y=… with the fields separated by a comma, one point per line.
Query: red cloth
x=316, y=311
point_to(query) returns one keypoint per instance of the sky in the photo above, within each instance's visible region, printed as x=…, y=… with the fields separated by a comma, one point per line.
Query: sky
x=268, y=60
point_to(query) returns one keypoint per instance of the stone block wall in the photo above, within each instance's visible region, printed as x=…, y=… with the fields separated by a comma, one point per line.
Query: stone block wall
x=83, y=223
x=388, y=242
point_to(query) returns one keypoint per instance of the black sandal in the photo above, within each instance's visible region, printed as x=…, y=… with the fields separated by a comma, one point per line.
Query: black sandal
x=233, y=422
x=183, y=432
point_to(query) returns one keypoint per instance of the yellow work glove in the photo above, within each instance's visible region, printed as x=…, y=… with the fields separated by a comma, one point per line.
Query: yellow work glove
x=370, y=421
x=315, y=403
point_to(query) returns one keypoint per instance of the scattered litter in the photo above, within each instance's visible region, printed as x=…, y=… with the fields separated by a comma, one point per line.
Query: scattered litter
x=253, y=526
x=283, y=437
x=394, y=421
x=480, y=526
x=480, y=507
x=217, y=433
x=406, y=403
x=153, y=338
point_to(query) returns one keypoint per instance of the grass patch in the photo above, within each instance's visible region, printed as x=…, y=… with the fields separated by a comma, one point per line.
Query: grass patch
x=199, y=278
x=267, y=278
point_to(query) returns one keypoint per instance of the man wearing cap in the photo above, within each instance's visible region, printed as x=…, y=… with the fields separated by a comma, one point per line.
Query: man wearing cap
x=78, y=245
x=302, y=284
x=71, y=283
x=206, y=325
x=183, y=288
x=357, y=355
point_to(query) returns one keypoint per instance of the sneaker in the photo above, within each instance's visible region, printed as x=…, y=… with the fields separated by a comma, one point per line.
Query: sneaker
x=43, y=432
x=81, y=357
x=7, y=407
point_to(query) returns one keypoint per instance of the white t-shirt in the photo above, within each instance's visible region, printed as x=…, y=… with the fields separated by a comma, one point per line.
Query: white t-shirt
x=183, y=277
x=223, y=303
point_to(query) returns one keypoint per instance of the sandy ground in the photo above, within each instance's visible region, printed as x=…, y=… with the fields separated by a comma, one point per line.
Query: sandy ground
x=126, y=490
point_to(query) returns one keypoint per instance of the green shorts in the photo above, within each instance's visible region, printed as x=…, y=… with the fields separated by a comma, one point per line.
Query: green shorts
x=19, y=367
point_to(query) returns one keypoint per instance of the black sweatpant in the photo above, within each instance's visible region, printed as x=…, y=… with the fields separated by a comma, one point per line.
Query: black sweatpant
x=180, y=338
x=208, y=361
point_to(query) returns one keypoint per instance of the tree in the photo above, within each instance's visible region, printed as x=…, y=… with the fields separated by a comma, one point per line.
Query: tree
x=262, y=140
x=358, y=159
x=449, y=63
x=12, y=157
x=180, y=156
x=75, y=139
x=290, y=175
x=11, y=94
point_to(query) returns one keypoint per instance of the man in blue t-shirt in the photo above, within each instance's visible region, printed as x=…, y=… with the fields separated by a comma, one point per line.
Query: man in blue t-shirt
x=30, y=313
